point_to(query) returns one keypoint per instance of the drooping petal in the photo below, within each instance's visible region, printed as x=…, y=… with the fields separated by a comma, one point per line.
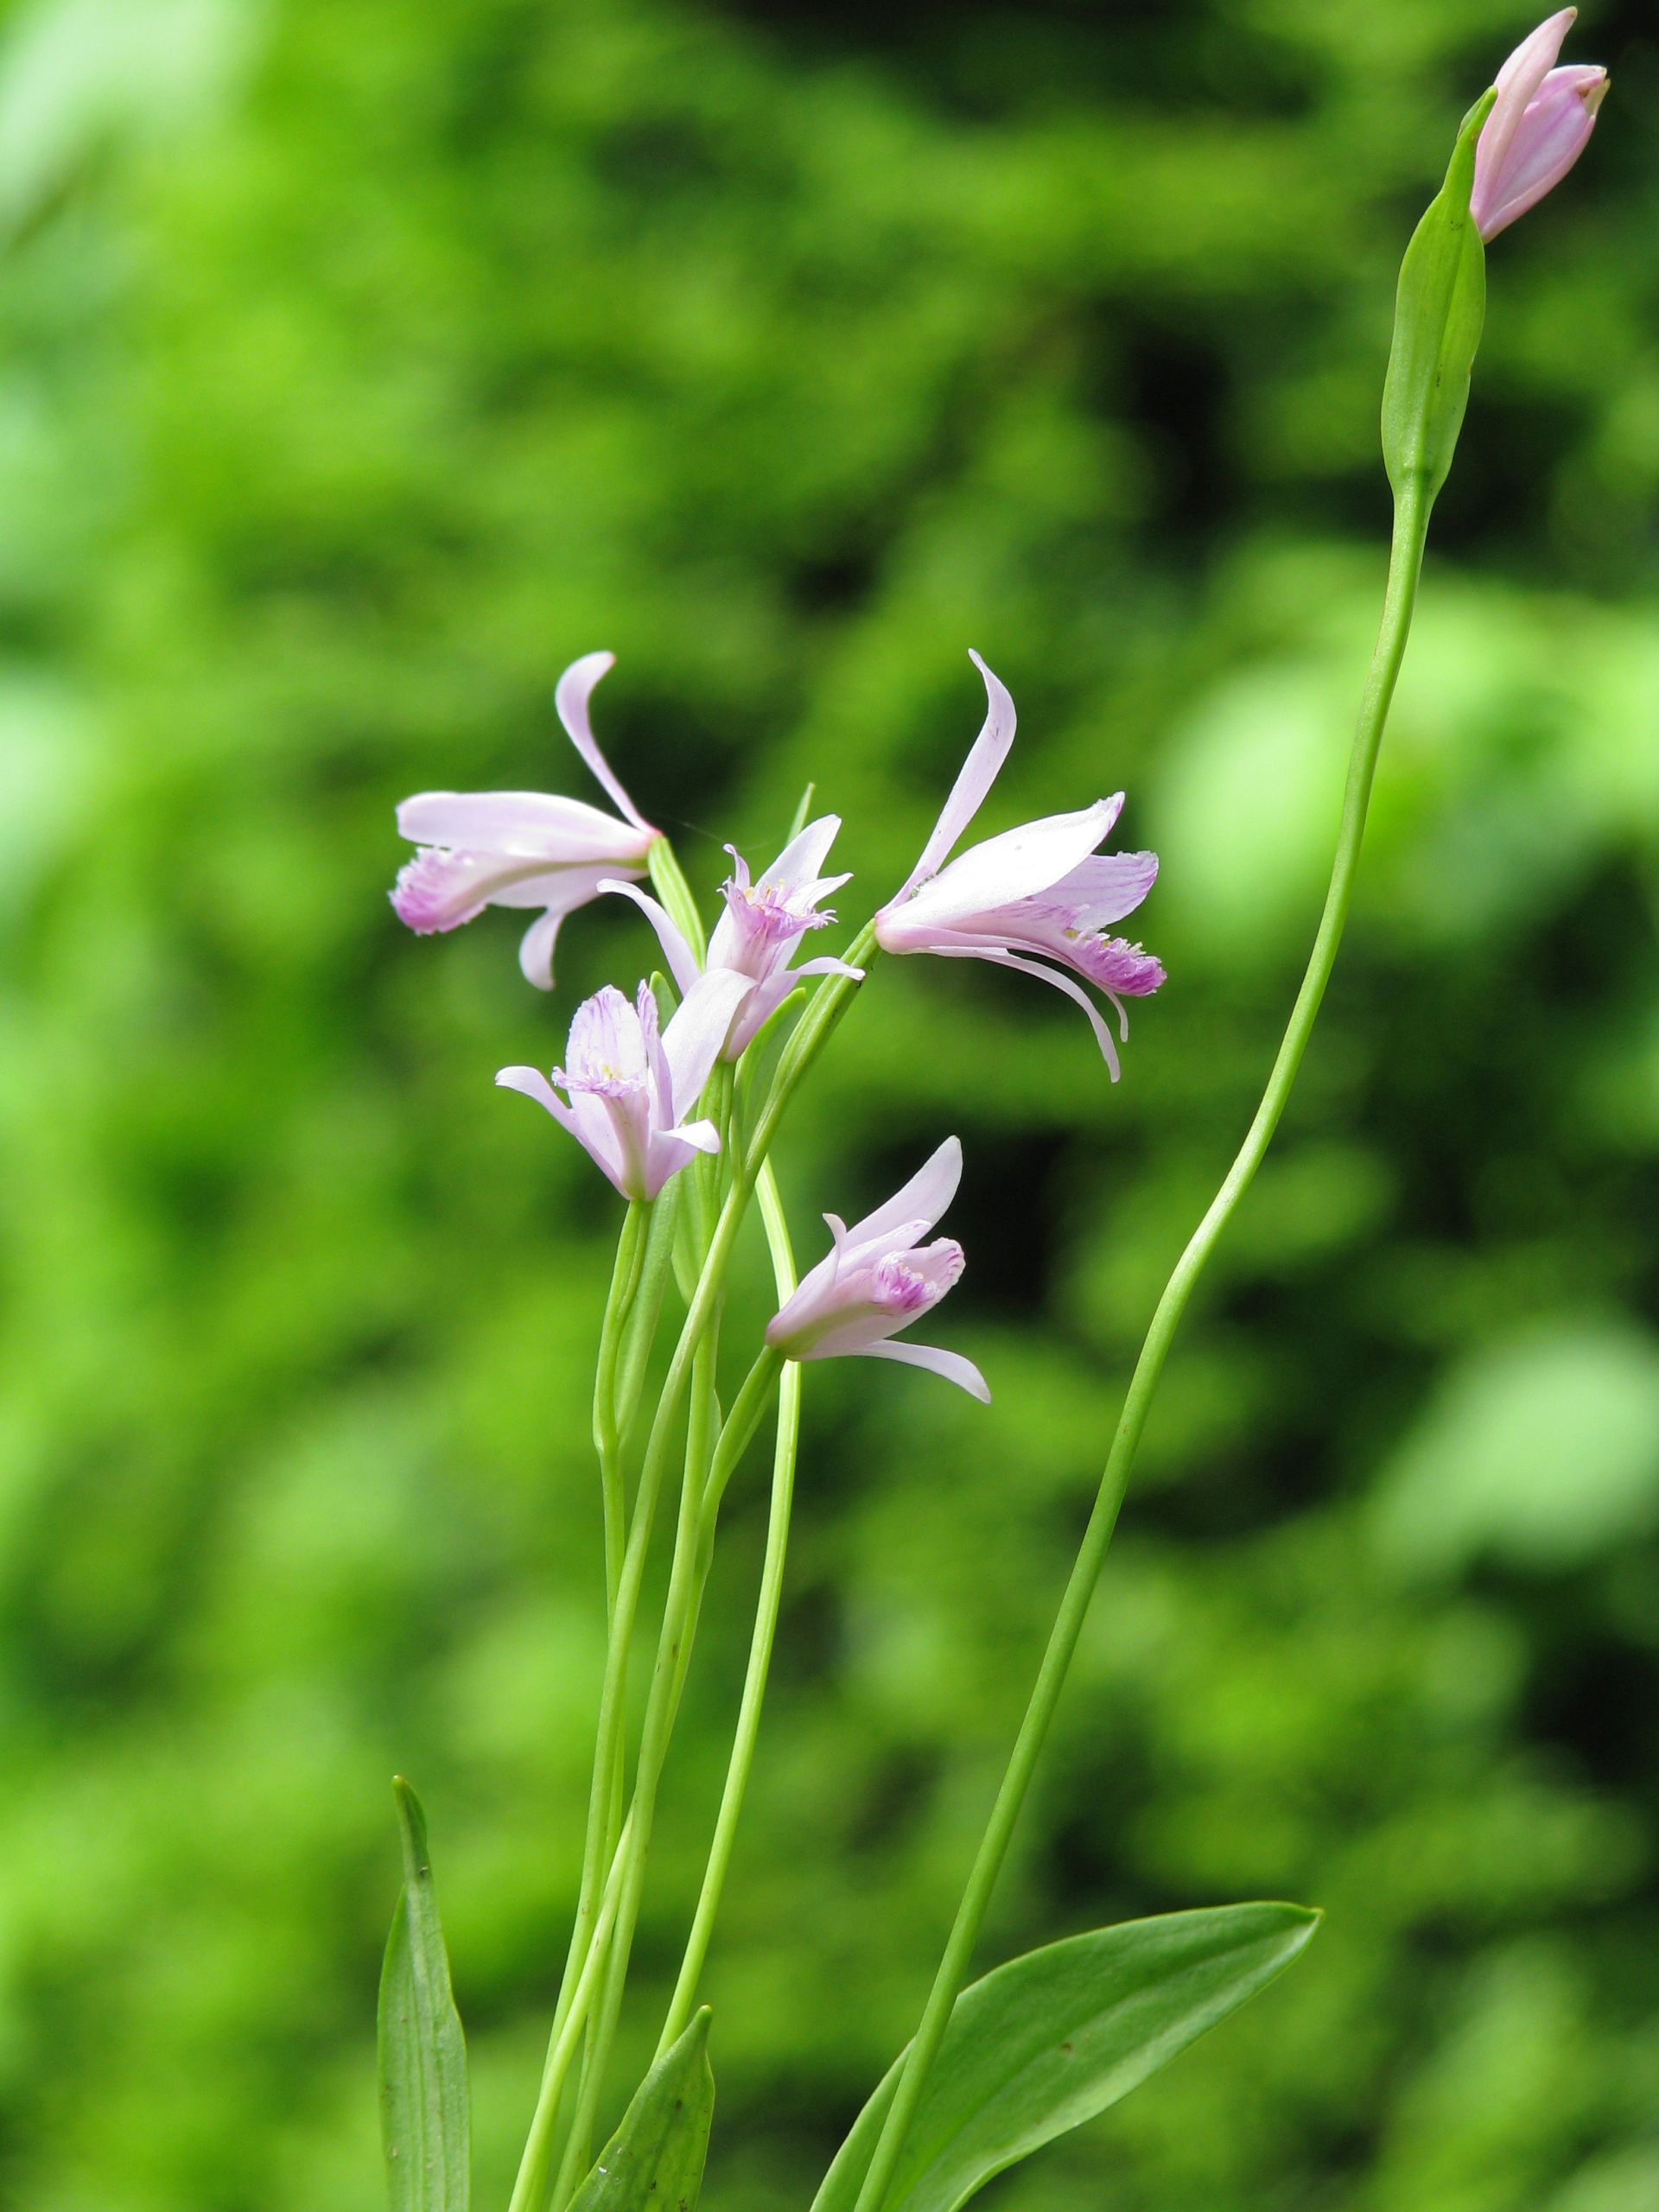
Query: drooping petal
x=923, y=1198
x=682, y=961
x=534, y=1084
x=570, y=699
x=1016, y=865
x=527, y=825
x=1044, y=974
x=693, y=1039
x=536, y=948
x=950, y=1364
x=1105, y=887
x=974, y=779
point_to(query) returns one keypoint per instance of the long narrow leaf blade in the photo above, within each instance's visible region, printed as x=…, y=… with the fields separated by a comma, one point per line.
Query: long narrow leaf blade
x=424, y=2120
x=1053, y=2038
x=654, y=2161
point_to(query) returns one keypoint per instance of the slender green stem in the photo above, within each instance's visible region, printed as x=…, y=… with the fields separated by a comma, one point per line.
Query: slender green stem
x=1410, y=531
x=641, y=1331
x=760, y=1645
x=673, y=1651
x=824, y=1010
x=568, y=2023
x=625, y=1284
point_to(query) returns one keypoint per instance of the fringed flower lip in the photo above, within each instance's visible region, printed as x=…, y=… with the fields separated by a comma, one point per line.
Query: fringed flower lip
x=1540, y=123
x=877, y=1278
x=629, y=1084
x=1038, y=899
x=760, y=926
x=522, y=849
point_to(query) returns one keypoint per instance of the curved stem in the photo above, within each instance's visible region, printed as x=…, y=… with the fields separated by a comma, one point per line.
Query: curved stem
x=1410, y=531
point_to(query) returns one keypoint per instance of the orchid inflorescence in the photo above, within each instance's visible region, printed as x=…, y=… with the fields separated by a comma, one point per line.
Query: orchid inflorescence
x=667, y=1110
x=1038, y=899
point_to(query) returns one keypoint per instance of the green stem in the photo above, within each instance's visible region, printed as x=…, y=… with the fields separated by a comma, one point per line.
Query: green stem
x=625, y=1284
x=760, y=1645
x=568, y=2023
x=1410, y=531
x=641, y=1331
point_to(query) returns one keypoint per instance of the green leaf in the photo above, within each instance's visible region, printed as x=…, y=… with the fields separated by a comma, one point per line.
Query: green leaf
x=1438, y=311
x=423, y=2108
x=1051, y=2039
x=655, y=2158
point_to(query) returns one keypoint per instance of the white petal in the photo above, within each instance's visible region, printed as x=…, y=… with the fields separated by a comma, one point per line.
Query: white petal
x=682, y=961
x=1103, y=889
x=693, y=1039
x=951, y=1364
x=974, y=777
x=804, y=856
x=923, y=1200
x=1017, y=865
x=535, y=949
x=575, y=688
x=523, y=825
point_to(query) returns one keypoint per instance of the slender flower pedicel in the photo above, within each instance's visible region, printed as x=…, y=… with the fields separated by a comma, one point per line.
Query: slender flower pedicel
x=761, y=924
x=1038, y=899
x=630, y=1087
x=1540, y=123
x=521, y=849
x=878, y=1278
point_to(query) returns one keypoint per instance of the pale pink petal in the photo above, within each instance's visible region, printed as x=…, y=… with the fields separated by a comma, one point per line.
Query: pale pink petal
x=535, y=949
x=1105, y=887
x=950, y=1364
x=527, y=825
x=575, y=690
x=1016, y=865
x=693, y=1039
x=534, y=1084
x=1553, y=132
x=682, y=961
x=700, y=1136
x=974, y=779
x=1517, y=82
x=923, y=1200
x=804, y=855
x=1044, y=975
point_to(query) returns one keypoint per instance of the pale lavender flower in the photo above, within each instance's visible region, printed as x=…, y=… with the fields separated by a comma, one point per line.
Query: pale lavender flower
x=878, y=1278
x=1540, y=123
x=1037, y=898
x=629, y=1087
x=522, y=849
x=756, y=934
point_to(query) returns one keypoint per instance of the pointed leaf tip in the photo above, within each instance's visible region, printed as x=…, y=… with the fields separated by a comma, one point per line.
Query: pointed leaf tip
x=1053, y=2038
x=425, y=2119
x=654, y=2161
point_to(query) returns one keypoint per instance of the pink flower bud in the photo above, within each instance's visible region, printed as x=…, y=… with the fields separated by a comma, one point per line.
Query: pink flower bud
x=1540, y=123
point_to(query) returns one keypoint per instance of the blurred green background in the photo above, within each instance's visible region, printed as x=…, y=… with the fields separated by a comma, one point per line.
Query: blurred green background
x=361, y=363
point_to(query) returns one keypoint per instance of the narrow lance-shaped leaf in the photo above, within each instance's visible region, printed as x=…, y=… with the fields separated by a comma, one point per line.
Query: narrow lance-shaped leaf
x=1053, y=2038
x=654, y=2161
x=424, y=2123
x=1438, y=311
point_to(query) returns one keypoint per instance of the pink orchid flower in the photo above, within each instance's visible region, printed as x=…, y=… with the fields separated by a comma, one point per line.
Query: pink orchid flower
x=1037, y=898
x=877, y=1279
x=521, y=849
x=1540, y=123
x=629, y=1087
x=756, y=934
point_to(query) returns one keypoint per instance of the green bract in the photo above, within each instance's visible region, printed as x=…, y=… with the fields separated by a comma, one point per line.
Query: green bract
x=1438, y=314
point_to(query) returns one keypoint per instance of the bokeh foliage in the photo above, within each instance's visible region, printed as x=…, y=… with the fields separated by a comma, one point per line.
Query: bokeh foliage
x=364, y=361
